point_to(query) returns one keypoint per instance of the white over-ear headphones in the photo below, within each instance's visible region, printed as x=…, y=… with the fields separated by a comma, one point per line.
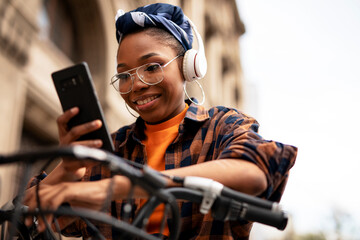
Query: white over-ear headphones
x=194, y=63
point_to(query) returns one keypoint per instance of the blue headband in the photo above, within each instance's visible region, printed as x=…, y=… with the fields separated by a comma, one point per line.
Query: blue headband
x=160, y=15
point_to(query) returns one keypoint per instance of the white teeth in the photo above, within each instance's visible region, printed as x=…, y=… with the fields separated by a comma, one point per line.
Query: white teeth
x=145, y=101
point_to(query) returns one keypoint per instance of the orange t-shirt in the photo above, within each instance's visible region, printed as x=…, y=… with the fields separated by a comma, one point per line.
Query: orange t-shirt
x=159, y=137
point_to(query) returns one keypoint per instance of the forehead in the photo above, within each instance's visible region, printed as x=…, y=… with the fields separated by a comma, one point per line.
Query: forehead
x=141, y=43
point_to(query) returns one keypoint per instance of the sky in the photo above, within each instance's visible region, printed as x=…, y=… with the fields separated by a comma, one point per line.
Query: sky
x=301, y=62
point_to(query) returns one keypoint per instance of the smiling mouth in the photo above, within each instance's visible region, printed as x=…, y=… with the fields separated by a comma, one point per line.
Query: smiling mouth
x=146, y=100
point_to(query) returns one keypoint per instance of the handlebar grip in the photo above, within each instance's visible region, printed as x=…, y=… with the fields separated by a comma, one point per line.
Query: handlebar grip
x=225, y=209
x=242, y=197
x=276, y=219
x=5, y=216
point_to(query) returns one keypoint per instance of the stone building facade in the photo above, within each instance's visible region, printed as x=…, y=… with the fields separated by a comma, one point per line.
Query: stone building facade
x=38, y=37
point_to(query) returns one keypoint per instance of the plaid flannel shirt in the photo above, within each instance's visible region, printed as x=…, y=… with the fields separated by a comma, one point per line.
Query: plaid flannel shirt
x=219, y=133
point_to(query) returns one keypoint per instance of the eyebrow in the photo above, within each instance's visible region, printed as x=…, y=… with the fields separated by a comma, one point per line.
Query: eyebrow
x=146, y=56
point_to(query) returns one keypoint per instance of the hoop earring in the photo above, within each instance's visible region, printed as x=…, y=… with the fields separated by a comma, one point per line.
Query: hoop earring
x=127, y=108
x=202, y=92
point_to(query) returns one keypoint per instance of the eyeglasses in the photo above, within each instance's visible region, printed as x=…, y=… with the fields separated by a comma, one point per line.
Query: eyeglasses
x=150, y=74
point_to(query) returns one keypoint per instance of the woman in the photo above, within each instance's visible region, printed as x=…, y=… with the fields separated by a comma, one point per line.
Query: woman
x=171, y=135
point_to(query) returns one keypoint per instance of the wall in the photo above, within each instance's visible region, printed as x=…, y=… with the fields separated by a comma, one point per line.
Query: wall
x=28, y=102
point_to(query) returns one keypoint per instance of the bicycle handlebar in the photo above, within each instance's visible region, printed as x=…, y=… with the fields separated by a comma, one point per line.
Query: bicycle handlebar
x=147, y=179
x=229, y=209
x=225, y=208
x=225, y=203
x=6, y=215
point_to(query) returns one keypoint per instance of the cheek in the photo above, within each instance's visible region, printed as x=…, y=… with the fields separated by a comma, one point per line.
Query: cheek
x=125, y=97
x=176, y=90
x=175, y=83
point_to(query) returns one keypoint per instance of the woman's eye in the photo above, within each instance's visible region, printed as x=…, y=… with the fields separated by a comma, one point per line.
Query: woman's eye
x=123, y=77
x=152, y=67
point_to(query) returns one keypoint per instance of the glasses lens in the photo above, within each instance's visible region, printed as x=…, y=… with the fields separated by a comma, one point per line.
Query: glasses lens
x=151, y=73
x=122, y=82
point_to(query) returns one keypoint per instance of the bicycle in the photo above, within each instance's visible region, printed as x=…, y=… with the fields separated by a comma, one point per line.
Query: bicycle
x=224, y=203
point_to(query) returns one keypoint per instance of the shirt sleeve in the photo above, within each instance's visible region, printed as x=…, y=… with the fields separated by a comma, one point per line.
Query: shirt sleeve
x=238, y=138
x=76, y=229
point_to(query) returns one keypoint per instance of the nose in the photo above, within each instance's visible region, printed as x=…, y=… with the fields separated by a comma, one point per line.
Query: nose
x=138, y=84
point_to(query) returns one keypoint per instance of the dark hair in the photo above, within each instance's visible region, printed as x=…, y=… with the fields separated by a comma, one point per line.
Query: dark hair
x=166, y=38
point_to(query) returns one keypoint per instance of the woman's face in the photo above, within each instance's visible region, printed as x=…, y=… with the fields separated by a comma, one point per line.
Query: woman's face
x=156, y=103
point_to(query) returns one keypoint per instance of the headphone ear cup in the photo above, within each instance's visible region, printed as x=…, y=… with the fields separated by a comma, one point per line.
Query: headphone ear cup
x=200, y=65
x=194, y=63
x=189, y=65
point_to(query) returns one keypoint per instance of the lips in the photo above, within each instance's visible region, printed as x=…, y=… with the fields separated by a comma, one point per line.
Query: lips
x=145, y=100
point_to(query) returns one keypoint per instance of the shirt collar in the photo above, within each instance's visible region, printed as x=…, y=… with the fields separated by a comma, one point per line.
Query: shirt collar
x=195, y=113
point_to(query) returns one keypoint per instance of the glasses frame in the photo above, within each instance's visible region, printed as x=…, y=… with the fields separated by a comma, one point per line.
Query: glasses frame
x=115, y=78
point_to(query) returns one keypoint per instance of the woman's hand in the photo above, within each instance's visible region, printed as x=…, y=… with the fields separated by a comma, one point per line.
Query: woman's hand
x=71, y=169
x=59, y=186
x=90, y=195
x=69, y=137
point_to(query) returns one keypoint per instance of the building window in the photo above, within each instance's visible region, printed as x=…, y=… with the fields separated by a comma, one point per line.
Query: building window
x=57, y=24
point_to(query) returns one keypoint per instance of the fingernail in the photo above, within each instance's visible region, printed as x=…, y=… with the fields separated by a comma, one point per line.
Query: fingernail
x=96, y=123
x=98, y=142
x=74, y=109
x=28, y=222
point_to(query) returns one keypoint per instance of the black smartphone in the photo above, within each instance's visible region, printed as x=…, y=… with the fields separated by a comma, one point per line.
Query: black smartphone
x=75, y=88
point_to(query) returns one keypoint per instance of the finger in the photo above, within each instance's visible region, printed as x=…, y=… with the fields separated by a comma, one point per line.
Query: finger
x=42, y=225
x=80, y=130
x=64, y=118
x=28, y=221
x=30, y=201
x=94, y=143
x=50, y=199
x=72, y=164
x=76, y=169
